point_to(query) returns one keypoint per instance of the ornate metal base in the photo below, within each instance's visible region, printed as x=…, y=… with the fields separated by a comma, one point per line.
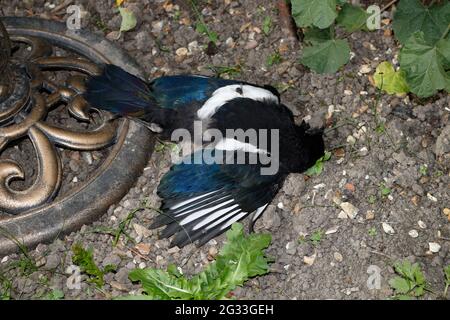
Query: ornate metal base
x=41, y=102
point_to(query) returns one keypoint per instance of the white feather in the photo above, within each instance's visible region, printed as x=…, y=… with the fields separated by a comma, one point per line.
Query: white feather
x=190, y=208
x=182, y=203
x=214, y=216
x=198, y=214
x=259, y=211
x=227, y=93
x=212, y=225
x=228, y=144
x=236, y=218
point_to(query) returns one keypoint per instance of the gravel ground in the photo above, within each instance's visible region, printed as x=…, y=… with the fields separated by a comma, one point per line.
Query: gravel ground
x=401, y=145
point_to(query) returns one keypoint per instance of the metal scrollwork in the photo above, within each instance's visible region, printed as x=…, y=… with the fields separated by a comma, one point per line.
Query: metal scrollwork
x=27, y=95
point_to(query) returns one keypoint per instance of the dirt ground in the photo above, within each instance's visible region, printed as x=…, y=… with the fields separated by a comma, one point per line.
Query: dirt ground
x=389, y=161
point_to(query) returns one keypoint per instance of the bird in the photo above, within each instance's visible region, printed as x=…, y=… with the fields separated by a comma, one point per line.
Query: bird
x=210, y=189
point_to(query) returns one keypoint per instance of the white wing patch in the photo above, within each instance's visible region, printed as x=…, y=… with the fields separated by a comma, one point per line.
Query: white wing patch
x=259, y=211
x=228, y=144
x=227, y=93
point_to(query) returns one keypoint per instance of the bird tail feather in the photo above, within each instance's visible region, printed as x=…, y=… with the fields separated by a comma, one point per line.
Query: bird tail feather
x=120, y=92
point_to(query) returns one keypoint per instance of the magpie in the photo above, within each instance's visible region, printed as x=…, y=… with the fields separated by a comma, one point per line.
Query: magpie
x=209, y=190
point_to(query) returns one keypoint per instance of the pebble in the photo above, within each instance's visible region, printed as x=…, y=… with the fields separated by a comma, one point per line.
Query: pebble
x=230, y=42
x=413, y=233
x=181, y=52
x=365, y=68
x=348, y=92
x=141, y=231
x=431, y=197
x=332, y=230
x=363, y=151
x=310, y=260
x=252, y=44
x=350, y=210
x=351, y=139
x=338, y=257
x=4, y=259
x=118, y=286
x=421, y=224
x=290, y=248
x=434, y=247
x=143, y=248
x=387, y=228
x=370, y=215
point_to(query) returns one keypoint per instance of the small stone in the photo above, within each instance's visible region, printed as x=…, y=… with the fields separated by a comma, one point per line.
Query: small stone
x=141, y=231
x=342, y=215
x=230, y=42
x=118, y=286
x=280, y=205
x=142, y=265
x=349, y=209
x=413, y=233
x=387, y=228
x=332, y=230
x=370, y=215
x=446, y=211
x=157, y=26
x=421, y=224
x=181, y=52
x=310, y=260
x=431, y=197
x=434, y=247
x=350, y=187
x=363, y=151
x=252, y=44
x=415, y=200
x=290, y=248
x=143, y=248
x=348, y=92
x=338, y=257
x=365, y=68
x=113, y=35
x=351, y=139
x=212, y=251
x=4, y=259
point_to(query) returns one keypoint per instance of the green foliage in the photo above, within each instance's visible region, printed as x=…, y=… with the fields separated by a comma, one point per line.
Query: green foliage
x=324, y=53
x=267, y=25
x=55, y=294
x=423, y=170
x=318, y=13
x=372, y=199
x=412, y=16
x=274, y=58
x=409, y=283
x=447, y=279
x=385, y=191
x=386, y=78
x=317, y=168
x=128, y=19
x=426, y=65
x=85, y=260
x=241, y=258
x=316, y=237
x=372, y=232
x=229, y=71
x=5, y=288
x=352, y=18
x=201, y=26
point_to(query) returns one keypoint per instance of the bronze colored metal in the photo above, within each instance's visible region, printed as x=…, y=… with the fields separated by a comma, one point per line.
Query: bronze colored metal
x=27, y=95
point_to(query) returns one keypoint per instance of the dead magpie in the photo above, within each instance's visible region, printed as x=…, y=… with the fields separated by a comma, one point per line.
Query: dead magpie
x=224, y=181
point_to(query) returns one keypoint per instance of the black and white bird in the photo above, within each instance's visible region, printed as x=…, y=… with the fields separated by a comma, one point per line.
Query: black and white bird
x=202, y=198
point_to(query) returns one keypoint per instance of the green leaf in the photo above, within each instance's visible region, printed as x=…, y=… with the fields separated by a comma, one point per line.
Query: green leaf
x=326, y=56
x=352, y=18
x=424, y=65
x=128, y=19
x=389, y=80
x=319, y=13
x=241, y=258
x=412, y=16
x=317, y=168
x=400, y=285
x=267, y=25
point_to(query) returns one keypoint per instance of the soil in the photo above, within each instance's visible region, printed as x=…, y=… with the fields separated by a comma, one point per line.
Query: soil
x=390, y=161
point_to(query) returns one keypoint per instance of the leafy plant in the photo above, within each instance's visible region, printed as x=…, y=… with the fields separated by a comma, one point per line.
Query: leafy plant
x=201, y=26
x=389, y=80
x=385, y=191
x=447, y=279
x=85, y=260
x=274, y=58
x=423, y=170
x=372, y=199
x=55, y=294
x=409, y=283
x=230, y=71
x=316, y=237
x=317, y=168
x=5, y=288
x=373, y=232
x=241, y=258
x=267, y=25
x=128, y=19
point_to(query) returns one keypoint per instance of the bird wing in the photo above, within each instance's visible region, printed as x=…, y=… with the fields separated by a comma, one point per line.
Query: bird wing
x=202, y=200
